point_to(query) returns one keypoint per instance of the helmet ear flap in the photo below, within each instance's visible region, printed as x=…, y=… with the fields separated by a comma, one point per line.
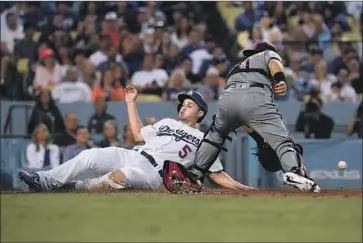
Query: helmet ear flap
x=179, y=107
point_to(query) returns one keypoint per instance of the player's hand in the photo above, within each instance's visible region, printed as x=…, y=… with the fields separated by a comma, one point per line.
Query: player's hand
x=280, y=88
x=130, y=94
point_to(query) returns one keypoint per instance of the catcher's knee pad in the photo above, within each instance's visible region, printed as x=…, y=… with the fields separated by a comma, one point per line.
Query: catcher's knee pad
x=297, y=149
x=116, y=179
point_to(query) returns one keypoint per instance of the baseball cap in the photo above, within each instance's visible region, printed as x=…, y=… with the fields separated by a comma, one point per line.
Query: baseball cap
x=111, y=16
x=46, y=52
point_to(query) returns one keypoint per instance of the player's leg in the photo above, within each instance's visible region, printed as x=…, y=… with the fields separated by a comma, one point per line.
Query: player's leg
x=264, y=117
x=96, y=162
x=136, y=176
x=223, y=123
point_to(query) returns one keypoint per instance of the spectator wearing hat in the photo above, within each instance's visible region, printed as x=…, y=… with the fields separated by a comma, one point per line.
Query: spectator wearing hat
x=110, y=27
x=48, y=72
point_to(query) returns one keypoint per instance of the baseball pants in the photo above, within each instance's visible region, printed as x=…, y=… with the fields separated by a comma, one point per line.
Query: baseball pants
x=254, y=107
x=93, y=166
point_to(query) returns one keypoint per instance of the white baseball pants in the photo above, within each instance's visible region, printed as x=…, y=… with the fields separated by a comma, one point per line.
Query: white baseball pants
x=92, y=166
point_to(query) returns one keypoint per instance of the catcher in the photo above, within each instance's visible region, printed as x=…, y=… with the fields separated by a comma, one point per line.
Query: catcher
x=253, y=82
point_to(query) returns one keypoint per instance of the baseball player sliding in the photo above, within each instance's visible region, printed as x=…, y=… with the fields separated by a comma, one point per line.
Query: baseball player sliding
x=248, y=100
x=118, y=168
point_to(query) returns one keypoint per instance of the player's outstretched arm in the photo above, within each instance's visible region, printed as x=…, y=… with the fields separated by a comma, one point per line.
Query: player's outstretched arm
x=223, y=179
x=134, y=119
x=277, y=71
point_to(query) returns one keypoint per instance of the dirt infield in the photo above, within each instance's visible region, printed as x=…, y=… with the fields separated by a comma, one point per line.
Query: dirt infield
x=256, y=193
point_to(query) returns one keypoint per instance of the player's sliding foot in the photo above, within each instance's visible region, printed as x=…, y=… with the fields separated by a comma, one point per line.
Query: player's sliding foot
x=32, y=180
x=300, y=182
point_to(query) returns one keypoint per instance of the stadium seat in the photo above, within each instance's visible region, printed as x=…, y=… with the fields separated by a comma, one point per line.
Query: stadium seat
x=293, y=21
x=149, y=98
x=22, y=66
x=242, y=38
x=229, y=12
x=73, y=35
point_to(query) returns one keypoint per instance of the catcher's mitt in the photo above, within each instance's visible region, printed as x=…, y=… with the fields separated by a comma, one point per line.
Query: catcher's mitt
x=177, y=179
x=268, y=157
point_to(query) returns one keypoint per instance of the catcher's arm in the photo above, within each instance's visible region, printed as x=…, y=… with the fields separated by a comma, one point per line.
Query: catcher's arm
x=223, y=179
x=134, y=119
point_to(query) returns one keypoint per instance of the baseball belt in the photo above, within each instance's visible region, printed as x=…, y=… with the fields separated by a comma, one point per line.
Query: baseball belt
x=151, y=160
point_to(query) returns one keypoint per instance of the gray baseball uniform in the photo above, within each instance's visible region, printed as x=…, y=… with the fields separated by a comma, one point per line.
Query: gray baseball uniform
x=248, y=100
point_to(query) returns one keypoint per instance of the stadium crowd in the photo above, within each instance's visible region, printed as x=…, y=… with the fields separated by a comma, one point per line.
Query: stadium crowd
x=89, y=51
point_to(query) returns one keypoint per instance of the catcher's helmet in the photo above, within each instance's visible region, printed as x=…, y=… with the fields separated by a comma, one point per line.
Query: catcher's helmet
x=197, y=98
x=259, y=47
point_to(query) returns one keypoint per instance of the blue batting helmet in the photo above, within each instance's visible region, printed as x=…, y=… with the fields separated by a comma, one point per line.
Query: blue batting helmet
x=197, y=98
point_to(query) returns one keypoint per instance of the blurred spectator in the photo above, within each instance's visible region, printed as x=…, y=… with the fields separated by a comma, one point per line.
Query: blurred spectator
x=107, y=88
x=193, y=43
x=67, y=136
x=120, y=75
x=322, y=80
x=265, y=25
x=113, y=59
x=88, y=74
x=128, y=137
x=10, y=33
x=48, y=72
x=202, y=54
x=103, y=53
x=27, y=47
x=110, y=134
x=65, y=59
x=172, y=58
x=334, y=94
x=354, y=8
x=131, y=53
x=255, y=36
x=97, y=120
x=312, y=122
x=356, y=124
x=18, y=9
x=355, y=77
x=41, y=153
x=245, y=21
x=278, y=13
x=150, y=44
x=181, y=34
x=46, y=111
x=347, y=92
x=110, y=27
x=321, y=32
x=178, y=82
x=342, y=61
x=149, y=77
x=210, y=89
x=68, y=18
x=82, y=142
x=71, y=90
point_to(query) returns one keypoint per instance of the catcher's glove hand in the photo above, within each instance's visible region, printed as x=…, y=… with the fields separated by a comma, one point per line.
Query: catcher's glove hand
x=177, y=179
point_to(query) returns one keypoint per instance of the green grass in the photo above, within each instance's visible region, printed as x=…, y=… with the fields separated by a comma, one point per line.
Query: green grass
x=171, y=218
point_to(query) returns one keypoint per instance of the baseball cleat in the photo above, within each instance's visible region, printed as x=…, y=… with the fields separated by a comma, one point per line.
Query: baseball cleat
x=300, y=182
x=32, y=180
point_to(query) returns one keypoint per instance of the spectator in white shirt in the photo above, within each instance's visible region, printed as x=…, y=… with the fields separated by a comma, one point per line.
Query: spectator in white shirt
x=10, y=33
x=200, y=55
x=48, y=73
x=101, y=56
x=347, y=92
x=40, y=153
x=71, y=90
x=322, y=80
x=149, y=77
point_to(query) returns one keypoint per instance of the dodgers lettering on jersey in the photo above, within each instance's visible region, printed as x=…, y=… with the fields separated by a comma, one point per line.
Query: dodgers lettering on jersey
x=169, y=139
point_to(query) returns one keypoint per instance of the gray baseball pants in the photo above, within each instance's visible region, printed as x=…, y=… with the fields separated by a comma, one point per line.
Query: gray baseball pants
x=252, y=106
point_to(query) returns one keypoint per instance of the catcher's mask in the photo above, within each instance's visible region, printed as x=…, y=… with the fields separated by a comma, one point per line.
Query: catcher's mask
x=177, y=179
x=259, y=47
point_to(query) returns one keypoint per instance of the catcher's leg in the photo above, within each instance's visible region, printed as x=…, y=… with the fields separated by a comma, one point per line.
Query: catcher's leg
x=89, y=163
x=212, y=143
x=267, y=121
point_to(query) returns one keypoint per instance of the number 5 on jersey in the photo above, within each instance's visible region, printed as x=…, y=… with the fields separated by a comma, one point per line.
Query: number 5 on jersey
x=185, y=151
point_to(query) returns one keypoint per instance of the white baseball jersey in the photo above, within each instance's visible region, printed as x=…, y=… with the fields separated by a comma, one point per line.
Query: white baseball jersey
x=172, y=140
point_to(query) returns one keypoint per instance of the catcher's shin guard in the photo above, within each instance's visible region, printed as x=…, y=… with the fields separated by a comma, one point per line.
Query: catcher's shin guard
x=177, y=179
